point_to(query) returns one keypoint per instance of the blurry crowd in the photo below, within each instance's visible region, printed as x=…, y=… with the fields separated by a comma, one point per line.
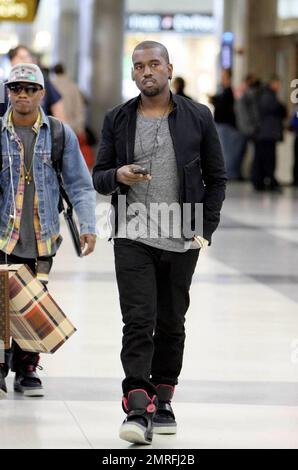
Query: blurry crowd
x=256, y=117
x=63, y=99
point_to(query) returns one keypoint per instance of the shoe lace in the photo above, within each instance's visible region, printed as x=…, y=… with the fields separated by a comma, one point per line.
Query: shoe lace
x=33, y=364
x=32, y=368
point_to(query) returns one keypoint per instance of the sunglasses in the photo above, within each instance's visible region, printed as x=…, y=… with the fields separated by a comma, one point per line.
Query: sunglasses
x=30, y=90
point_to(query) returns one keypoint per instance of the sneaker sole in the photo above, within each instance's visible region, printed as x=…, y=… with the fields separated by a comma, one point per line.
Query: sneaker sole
x=37, y=392
x=133, y=434
x=164, y=429
x=3, y=395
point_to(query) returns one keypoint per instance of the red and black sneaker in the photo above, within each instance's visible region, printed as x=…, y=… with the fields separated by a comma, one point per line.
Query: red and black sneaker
x=26, y=379
x=3, y=374
x=138, y=426
x=164, y=421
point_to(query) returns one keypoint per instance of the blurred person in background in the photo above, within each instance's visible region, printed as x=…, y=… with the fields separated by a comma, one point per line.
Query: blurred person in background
x=246, y=107
x=294, y=128
x=75, y=113
x=269, y=131
x=225, y=119
x=75, y=110
x=179, y=86
x=52, y=103
x=247, y=116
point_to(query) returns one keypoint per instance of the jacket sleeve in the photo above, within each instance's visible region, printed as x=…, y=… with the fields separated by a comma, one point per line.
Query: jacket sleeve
x=104, y=171
x=78, y=183
x=214, y=176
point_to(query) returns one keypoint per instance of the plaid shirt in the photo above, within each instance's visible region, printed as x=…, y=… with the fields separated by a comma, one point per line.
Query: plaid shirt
x=7, y=244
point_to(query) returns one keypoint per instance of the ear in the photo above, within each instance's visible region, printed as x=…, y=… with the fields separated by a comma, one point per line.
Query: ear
x=170, y=71
x=132, y=74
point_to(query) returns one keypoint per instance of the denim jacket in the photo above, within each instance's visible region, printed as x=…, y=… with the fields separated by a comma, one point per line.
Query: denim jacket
x=77, y=180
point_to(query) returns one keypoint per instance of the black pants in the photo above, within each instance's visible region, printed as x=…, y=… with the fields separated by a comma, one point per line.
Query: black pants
x=154, y=297
x=12, y=355
x=264, y=164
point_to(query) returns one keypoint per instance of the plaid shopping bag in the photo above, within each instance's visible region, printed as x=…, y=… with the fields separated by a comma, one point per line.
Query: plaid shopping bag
x=37, y=323
x=4, y=312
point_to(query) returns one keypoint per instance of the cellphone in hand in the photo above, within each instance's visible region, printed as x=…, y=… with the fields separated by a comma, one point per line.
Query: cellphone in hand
x=140, y=171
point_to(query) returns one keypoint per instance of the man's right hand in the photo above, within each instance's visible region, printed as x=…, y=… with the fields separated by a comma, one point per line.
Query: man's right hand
x=126, y=176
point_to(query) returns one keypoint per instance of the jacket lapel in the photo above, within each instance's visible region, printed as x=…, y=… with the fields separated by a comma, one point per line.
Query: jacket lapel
x=131, y=112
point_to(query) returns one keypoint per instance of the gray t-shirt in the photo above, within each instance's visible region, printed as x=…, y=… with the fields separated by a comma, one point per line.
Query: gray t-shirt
x=154, y=150
x=26, y=246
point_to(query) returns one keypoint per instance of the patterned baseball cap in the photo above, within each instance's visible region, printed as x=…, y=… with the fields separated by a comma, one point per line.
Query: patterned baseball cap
x=29, y=73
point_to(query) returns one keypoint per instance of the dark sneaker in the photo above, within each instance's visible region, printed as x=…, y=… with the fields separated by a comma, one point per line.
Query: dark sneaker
x=138, y=426
x=26, y=379
x=3, y=389
x=164, y=420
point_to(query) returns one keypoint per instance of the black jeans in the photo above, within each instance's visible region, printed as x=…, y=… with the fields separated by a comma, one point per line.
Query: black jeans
x=12, y=355
x=154, y=297
x=264, y=164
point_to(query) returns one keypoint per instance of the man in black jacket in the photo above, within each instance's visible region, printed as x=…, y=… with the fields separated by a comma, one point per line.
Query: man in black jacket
x=269, y=131
x=157, y=148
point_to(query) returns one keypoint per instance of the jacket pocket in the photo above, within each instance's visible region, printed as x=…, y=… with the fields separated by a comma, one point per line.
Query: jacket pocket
x=193, y=183
x=48, y=171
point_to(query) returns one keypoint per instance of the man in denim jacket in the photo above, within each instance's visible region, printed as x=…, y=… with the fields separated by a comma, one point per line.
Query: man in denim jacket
x=29, y=195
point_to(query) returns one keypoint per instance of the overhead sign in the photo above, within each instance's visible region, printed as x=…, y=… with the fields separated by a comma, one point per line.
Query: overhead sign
x=179, y=23
x=227, y=46
x=18, y=10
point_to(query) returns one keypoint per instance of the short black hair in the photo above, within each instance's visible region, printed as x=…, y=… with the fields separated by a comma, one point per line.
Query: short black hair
x=59, y=69
x=153, y=45
x=180, y=83
x=14, y=51
x=228, y=71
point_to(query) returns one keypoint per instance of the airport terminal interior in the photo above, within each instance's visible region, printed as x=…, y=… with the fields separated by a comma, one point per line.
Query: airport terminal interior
x=239, y=383
x=238, y=387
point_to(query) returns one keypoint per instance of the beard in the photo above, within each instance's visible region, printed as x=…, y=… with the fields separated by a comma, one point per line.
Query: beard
x=154, y=91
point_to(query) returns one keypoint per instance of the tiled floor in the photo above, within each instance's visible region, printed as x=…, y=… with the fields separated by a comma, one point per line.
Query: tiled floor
x=239, y=385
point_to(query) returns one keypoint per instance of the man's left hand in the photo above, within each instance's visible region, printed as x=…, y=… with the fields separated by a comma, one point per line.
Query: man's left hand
x=88, y=239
